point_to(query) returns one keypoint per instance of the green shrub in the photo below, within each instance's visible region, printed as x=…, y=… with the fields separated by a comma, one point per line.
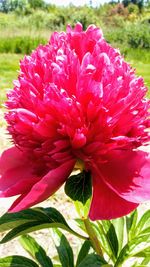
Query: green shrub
x=139, y=36
x=116, y=36
x=132, y=35
x=20, y=44
x=84, y=15
x=132, y=8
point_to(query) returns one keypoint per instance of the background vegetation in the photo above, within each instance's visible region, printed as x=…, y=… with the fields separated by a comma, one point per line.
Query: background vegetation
x=26, y=23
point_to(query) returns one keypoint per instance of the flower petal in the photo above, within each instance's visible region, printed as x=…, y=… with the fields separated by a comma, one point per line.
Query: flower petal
x=45, y=187
x=10, y=158
x=128, y=174
x=16, y=173
x=106, y=204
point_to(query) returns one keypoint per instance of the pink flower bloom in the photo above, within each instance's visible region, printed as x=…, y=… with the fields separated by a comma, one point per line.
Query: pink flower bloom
x=76, y=98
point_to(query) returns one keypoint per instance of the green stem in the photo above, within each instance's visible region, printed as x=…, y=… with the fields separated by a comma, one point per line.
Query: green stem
x=93, y=237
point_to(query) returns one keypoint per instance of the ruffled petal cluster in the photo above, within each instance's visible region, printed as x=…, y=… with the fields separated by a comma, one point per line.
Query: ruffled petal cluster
x=77, y=99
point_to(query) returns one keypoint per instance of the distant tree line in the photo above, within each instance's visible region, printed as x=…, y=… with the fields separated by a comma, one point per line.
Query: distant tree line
x=139, y=3
x=12, y=5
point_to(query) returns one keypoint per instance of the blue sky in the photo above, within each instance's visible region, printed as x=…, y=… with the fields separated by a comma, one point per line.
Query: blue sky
x=76, y=2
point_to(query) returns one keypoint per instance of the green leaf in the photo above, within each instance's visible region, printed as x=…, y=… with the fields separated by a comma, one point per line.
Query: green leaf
x=131, y=221
x=132, y=248
x=43, y=218
x=23, y=229
x=80, y=224
x=111, y=236
x=145, y=231
x=79, y=187
x=63, y=248
x=83, y=251
x=135, y=264
x=119, y=230
x=144, y=222
x=11, y=220
x=104, y=241
x=144, y=253
x=82, y=209
x=92, y=260
x=35, y=250
x=17, y=261
x=146, y=260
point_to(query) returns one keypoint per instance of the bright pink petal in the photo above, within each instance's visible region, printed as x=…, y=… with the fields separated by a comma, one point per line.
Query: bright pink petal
x=17, y=201
x=10, y=158
x=106, y=204
x=16, y=173
x=45, y=187
x=128, y=174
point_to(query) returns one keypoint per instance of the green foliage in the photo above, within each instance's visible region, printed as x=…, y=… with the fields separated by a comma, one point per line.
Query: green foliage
x=64, y=249
x=35, y=4
x=131, y=222
x=65, y=253
x=133, y=248
x=31, y=220
x=83, y=251
x=139, y=38
x=35, y=251
x=31, y=23
x=143, y=223
x=92, y=260
x=11, y=5
x=120, y=239
x=105, y=231
x=50, y=21
x=9, y=64
x=20, y=44
x=139, y=3
x=111, y=236
x=118, y=228
x=21, y=5
x=84, y=15
x=17, y=261
x=133, y=35
x=132, y=8
x=79, y=187
x=125, y=237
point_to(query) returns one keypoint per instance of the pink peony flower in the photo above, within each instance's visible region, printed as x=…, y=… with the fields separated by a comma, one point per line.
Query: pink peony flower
x=77, y=99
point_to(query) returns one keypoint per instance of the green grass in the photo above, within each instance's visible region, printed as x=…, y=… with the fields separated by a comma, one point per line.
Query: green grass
x=140, y=60
x=137, y=55
x=9, y=64
x=143, y=70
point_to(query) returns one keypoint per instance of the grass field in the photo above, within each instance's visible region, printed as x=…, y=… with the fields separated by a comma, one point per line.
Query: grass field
x=9, y=65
